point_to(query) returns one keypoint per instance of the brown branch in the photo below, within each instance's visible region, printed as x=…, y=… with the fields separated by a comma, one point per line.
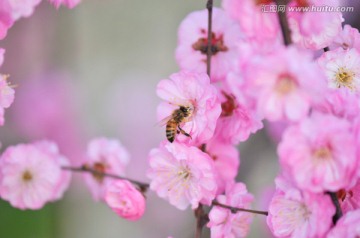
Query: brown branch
x=236, y=209
x=201, y=219
x=284, y=22
x=84, y=169
x=209, y=7
x=336, y=203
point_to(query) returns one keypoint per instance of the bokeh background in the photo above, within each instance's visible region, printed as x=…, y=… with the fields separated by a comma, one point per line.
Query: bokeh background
x=92, y=71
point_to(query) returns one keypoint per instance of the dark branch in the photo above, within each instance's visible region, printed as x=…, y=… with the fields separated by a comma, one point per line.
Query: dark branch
x=209, y=7
x=201, y=219
x=336, y=203
x=284, y=22
x=83, y=169
x=236, y=209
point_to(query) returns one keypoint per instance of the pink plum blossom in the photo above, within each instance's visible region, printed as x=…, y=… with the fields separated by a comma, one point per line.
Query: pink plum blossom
x=125, y=200
x=7, y=92
x=319, y=153
x=286, y=83
x=31, y=175
x=223, y=223
x=6, y=20
x=263, y=29
x=239, y=117
x=342, y=68
x=56, y=118
x=299, y=214
x=7, y=95
x=313, y=29
x=193, y=91
x=348, y=38
x=68, y=3
x=105, y=156
x=21, y=8
x=347, y=226
x=182, y=174
x=192, y=43
x=226, y=159
x=340, y=102
x=349, y=199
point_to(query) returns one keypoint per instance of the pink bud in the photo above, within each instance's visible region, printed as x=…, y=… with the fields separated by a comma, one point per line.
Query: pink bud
x=124, y=199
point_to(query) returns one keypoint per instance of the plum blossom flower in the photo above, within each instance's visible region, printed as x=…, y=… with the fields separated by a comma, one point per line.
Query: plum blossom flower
x=317, y=159
x=295, y=213
x=314, y=29
x=342, y=68
x=31, y=175
x=6, y=91
x=239, y=117
x=348, y=38
x=23, y=8
x=192, y=43
x=7, y=95
x=125, y=200
x=287, y=82
x=6, y=20
x=263, y=29
x=349, y=199
x=347, y=226
x=105, y=156
x=56, y=118
x=340, y=102
x=194, y=92
x=183, y=175
x=226, y=159
x=69, y=3
x=223, y=223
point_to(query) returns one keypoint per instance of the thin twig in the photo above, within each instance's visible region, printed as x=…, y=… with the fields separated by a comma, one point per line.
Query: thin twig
x=336, y=203
x=83, y=169
x=284, y=22
x=236, y=209
x=209, y=7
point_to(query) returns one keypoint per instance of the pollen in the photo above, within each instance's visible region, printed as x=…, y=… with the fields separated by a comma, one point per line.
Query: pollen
x=285, y=84
x=344, y=78
x=322, y=153
x=27, y=176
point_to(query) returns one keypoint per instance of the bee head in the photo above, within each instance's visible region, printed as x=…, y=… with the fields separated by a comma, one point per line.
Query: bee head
x=184, y=109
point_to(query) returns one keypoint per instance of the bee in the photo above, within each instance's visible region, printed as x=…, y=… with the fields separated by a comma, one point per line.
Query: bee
x=174, y=121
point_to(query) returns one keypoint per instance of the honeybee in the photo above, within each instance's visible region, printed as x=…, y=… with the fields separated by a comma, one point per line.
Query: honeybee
x=174, y=121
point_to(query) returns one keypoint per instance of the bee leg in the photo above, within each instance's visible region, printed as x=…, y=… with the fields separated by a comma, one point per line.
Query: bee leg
x=184, y=132
x=177, y=132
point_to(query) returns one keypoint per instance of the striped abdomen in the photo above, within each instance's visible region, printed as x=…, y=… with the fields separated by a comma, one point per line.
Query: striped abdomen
x=171, y=130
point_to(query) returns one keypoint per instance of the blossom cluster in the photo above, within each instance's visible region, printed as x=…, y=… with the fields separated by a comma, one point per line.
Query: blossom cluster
x=34, y=174
x=310, y=87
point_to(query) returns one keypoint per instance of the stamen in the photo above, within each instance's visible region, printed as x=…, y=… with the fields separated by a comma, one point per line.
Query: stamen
x=27, y=176
x=285, y=84
x=344, y=78
x=217, y=44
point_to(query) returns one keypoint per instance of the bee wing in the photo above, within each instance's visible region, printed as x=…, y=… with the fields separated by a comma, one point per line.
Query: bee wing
x=163, y=121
